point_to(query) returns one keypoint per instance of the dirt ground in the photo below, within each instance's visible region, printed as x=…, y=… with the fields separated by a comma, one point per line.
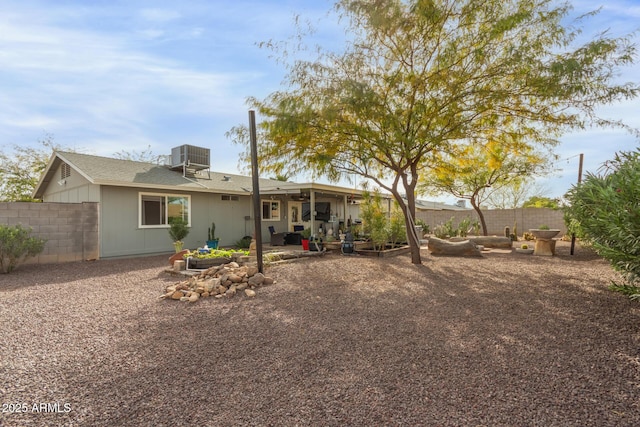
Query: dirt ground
x=503, y=340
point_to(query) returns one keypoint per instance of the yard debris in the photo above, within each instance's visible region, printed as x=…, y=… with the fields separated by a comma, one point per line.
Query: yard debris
x=220, y=281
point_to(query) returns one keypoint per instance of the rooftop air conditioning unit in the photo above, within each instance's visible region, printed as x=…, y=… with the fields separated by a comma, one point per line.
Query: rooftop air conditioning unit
x=190, y=158
x=190, y=155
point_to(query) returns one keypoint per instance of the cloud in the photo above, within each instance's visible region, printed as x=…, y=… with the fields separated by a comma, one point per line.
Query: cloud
x=159, y=15
x=88, y=87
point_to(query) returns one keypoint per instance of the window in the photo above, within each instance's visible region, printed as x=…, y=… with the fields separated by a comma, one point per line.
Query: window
x=159, y=210
x=271, y=210
x=228, y=197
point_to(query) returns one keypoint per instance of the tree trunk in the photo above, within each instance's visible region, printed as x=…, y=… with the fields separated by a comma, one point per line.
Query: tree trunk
x=481, y=216
x=412, y=235
x=408, y=209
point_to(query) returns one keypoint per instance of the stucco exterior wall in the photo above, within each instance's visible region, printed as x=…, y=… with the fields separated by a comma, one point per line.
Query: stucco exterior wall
x=71, y=229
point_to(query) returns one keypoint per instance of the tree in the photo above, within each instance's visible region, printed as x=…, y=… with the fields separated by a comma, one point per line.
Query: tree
x=419, y=76
x=473, y=170
x=541, y=202
x=20, y=170
x=145, y=155
x=603, y=210
x=514, y=194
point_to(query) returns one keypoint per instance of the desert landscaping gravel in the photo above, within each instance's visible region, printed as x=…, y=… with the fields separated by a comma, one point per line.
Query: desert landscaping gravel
x=503, y=340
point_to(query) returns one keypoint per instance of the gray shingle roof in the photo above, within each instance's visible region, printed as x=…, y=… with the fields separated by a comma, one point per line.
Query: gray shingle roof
x=118, y=172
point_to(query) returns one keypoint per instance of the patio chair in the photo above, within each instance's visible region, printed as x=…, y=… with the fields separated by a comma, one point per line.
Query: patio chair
x=294, y=238
x=277, y=239
x=347, y=244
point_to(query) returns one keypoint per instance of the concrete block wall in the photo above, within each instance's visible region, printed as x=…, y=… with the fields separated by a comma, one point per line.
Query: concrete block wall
x=71, y=229
x=498, y=219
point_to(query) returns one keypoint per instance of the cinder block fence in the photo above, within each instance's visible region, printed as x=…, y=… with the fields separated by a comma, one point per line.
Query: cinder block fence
x=498, y=219
x=71, y=229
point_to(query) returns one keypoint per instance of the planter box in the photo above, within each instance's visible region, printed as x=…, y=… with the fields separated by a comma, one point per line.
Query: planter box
x=333, y=246
x=385, y=253
x=358, y=245
x=204, y=263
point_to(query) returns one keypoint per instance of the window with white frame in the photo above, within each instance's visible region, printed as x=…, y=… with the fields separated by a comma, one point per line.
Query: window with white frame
x=160, y=210
x=271, y=210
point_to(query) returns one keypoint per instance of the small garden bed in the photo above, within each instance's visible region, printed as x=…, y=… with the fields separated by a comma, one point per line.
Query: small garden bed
x=206, y=258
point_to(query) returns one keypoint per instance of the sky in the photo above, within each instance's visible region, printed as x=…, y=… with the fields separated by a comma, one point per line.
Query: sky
x=105, y=76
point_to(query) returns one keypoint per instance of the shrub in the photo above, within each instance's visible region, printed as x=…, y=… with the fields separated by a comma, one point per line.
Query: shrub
x=464, y=227
x=374, y=219
x=178, y=229
x=244, y=243
x=424, y=225
x=603, y=211
x=16, y=245
x=397, y=226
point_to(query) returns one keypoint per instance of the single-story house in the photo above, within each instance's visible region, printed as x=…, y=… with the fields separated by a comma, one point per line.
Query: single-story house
x=137, y=199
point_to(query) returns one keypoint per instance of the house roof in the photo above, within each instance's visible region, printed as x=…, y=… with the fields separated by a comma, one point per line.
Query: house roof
x=438, y=206
x=127, y=173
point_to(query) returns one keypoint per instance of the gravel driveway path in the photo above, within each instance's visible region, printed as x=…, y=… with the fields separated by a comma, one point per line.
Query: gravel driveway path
x=505, y=340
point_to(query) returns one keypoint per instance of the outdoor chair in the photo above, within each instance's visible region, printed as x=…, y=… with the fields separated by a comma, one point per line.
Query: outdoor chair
x=347, y=244
x=294, y=238
x=277, y=239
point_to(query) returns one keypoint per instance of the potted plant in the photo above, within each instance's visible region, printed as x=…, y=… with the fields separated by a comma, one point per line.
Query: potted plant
x=212, y=241
x=178, y=230
x=305, y=234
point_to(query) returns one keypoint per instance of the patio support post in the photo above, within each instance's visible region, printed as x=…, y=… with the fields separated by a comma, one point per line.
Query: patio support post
x=257, y=206
x=312, y=208
x=344, y=213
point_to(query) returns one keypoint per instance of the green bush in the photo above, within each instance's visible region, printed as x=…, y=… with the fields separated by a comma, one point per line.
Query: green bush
x=604, y=212
x=374, y=219
x=397, y=229
x=17, y=244
x=464, y=227
x=178, y=229
x=244, y=243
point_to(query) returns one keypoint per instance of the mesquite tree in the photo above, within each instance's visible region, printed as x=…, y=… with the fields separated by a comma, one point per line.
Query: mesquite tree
x=418, y=76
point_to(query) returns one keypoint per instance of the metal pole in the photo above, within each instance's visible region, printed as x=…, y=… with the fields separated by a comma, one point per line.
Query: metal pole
x=256, y=189
x=573, y=235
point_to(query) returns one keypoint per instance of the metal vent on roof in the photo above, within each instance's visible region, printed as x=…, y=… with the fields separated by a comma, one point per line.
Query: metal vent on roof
x=190, y=159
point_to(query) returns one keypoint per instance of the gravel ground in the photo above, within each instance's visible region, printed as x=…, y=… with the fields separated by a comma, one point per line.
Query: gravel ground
x=508, y=339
